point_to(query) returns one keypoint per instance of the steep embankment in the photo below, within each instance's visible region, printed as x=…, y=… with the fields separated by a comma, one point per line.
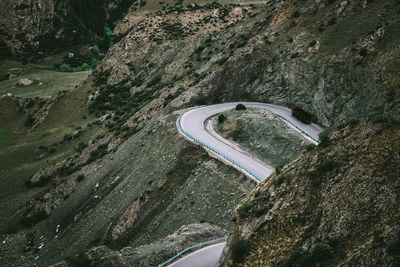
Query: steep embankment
x=337, y=205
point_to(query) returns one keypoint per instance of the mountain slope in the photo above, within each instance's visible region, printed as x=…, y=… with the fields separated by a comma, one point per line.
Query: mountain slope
x=336, y=205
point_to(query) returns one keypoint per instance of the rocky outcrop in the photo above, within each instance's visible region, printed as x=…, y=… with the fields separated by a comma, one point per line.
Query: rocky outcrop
x=337, y=205
x=310, y=54
x=40, y=26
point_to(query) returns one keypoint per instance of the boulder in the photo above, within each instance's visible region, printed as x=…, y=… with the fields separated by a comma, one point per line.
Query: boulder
x=24, y=82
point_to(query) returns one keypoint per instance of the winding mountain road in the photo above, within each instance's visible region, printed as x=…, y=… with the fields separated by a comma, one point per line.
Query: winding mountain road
x=193, y=126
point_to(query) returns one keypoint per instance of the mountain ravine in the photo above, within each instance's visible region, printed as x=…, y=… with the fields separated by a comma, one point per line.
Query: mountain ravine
x=93, y=171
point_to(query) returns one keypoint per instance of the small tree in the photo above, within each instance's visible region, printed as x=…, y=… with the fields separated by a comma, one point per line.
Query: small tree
x=221, y=118
x=65, y=68
x=84, y=67
x=301, y=115
x=241, y=107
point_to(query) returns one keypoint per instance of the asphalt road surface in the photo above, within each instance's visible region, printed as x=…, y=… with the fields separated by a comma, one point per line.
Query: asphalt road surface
x=204, y=257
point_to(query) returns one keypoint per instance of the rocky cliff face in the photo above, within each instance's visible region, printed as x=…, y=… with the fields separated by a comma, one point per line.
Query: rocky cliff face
x=336, y=205
x=32, y=28
x=313, y=54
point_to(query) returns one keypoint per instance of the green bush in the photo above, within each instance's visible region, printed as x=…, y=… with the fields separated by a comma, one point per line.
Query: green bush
x=324, y=138
x=34, y=219
x=240, y=249
x=301, y=115
x=100, y=152
x=84, y=67
x=221, y=118
x=65, y=68
x=29, y=121
x=327, y=165
x=80, y=178
x=241, y=107
x=244, y=210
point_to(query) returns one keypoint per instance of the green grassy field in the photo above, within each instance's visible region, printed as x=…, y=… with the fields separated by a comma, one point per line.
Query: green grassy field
x=19, y=145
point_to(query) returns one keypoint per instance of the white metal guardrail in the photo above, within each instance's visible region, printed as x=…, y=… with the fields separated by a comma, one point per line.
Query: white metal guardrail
x=215, y=152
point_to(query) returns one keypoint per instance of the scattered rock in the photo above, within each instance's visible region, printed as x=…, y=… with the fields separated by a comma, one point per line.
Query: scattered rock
x=25, y=82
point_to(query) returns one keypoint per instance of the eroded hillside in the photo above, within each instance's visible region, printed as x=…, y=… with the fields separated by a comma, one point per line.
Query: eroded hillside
x=108, y=167
x=337, y=205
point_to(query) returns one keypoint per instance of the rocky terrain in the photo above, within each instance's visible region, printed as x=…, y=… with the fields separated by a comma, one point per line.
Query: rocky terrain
x=262, y=133
x=34, y=28
x=336, y=205
x=97, y=170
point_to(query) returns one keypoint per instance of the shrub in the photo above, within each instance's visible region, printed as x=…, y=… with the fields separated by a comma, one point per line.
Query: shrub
x=240, y=249
x=241, y=107
x=327, y=165
x=80, y=147
x=80, y=178
x=244, y=210
x=280, y=179
x=65, y=68
x=324, y=138
x=29, y=121
x=221, y=118
x=35, y=218
x=84, y=67
x=296, y=14
x=301, y=115
x=98, y=153
x=258, y=211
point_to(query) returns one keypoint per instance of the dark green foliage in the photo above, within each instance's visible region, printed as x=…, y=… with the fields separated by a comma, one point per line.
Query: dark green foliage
x=65, y=68
x=318, y=255
x=80, y=178
x=241, y=107
x=80, y=260
x=394, y=249
x=34, y=219
x=221, y=118
x=156, y=80
x=281, y=178
x=244, y=210
x=240, y=249
x=312, y=43
x=327, y=165
x=301, y=115
x=68, y=170
x=296, y=14
x=80, y=147
x=324, y=138
x=258, y=211
x=138, y=81
x=29, y=121
x=100, y=152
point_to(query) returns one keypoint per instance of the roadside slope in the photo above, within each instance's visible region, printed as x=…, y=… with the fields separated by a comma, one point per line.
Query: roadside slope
x=337, y=205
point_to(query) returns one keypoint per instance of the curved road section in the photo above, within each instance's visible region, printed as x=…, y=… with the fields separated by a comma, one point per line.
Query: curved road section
x=193, y=126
